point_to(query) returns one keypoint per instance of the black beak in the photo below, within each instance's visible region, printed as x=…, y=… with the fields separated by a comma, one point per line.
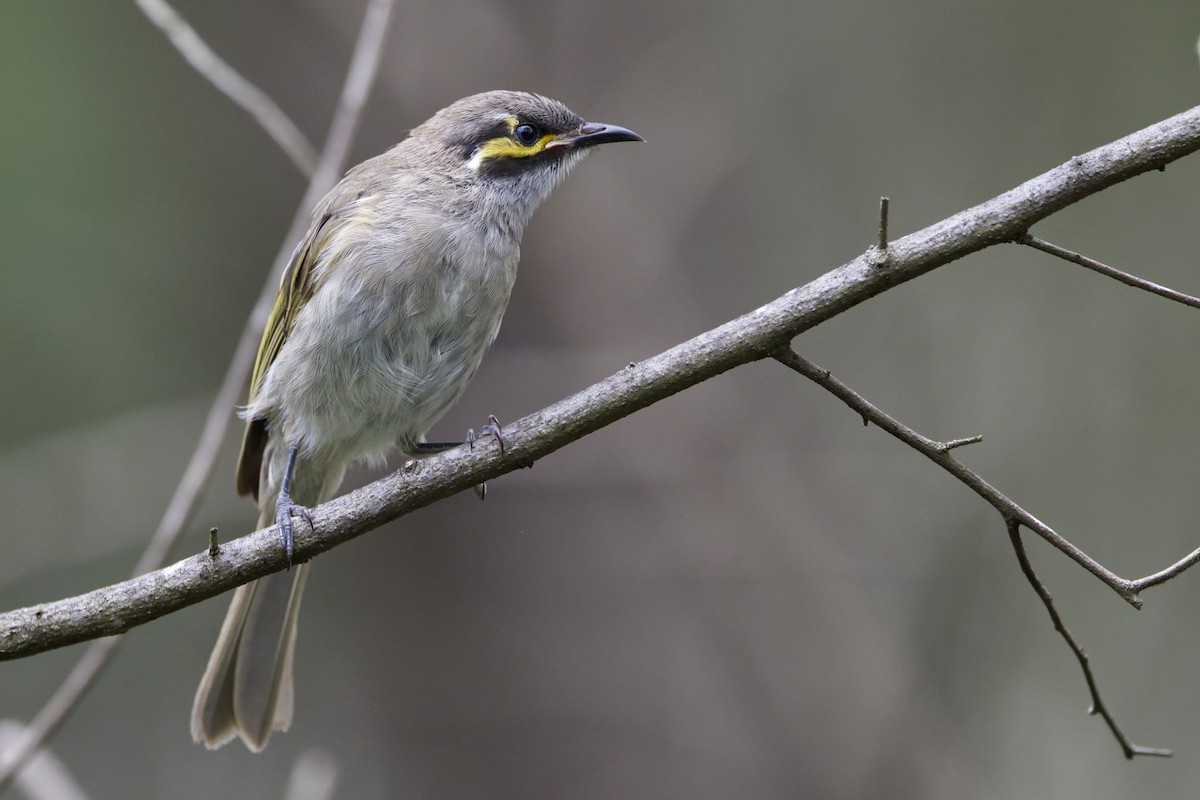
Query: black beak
x=594, y=133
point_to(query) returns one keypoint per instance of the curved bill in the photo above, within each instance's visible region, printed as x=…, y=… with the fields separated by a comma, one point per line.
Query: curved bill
x=594, y=133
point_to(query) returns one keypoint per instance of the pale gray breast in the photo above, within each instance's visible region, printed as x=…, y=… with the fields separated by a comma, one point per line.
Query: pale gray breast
x=408, y=300
x=450, y=297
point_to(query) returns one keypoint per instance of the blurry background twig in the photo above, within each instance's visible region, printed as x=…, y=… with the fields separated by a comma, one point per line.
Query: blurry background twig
x=253, y=101
x=323, y=174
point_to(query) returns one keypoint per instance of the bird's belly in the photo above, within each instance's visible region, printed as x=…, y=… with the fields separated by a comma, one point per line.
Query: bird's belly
x=410, y=381
x=382, y=381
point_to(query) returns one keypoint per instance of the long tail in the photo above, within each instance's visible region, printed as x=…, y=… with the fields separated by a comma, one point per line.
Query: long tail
x=247, y=687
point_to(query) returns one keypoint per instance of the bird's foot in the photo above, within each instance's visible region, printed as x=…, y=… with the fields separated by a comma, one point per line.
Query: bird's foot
x=284, y=509
x=491, y=429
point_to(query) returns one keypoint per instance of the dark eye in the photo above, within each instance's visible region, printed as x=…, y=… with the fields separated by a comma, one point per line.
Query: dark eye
x=526, y=135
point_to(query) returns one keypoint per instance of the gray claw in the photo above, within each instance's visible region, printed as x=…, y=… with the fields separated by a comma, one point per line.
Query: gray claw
x=284, y=509
x=493, y=428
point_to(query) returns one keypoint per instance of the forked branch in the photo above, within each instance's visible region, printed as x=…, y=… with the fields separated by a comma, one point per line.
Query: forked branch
x=940, y=454
x=1013, y=515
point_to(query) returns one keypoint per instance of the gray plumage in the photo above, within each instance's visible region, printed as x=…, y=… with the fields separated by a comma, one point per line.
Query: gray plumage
x=393, y=297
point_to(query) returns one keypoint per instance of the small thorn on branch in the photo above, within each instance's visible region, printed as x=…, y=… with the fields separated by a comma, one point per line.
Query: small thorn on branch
x=213, y=547
x=883, y=222
x=946, y=447
x=880, y=254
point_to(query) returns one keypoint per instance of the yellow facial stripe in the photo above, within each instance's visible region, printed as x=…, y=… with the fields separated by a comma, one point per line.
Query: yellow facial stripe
x=507, y=147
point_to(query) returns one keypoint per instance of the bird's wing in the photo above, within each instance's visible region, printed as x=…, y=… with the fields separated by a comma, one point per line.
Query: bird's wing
x=295, y=289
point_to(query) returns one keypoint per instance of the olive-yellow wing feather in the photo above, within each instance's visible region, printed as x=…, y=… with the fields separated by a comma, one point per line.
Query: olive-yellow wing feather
x=295, y=288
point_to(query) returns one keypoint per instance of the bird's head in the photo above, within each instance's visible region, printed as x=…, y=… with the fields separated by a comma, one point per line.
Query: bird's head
x=515, y=141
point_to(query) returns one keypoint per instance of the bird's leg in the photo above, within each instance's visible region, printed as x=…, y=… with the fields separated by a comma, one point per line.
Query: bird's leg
x=432, y=448
x=492, y=428
x=284, y=507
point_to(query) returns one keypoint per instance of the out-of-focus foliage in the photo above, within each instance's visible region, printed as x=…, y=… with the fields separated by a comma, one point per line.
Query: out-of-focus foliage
x=740, y=592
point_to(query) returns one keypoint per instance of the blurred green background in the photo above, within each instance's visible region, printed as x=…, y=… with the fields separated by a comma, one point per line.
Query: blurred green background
x=740, y=592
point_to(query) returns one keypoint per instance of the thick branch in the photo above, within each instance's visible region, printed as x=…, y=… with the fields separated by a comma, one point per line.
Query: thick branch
x=748, y=338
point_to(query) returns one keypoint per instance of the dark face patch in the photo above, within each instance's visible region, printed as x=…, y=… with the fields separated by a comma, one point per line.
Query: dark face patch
x=525, y=122
x=510, y=167
x=469, y=143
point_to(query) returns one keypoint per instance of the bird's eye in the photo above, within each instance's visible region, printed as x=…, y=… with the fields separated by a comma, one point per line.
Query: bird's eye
x=526, y=135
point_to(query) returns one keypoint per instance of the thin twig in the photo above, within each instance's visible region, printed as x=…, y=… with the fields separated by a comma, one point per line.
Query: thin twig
x=1190, y=560
x=228, y=81
x=1165, y=575
x=1124, y=277
x=1098, y=706
x=359, y=78
x=940, y=454
x=1014, y=517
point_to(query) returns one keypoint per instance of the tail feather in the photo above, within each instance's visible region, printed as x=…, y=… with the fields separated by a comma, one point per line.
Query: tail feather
x=247, y=688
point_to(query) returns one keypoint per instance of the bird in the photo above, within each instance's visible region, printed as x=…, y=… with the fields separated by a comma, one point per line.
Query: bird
x=388, y=305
